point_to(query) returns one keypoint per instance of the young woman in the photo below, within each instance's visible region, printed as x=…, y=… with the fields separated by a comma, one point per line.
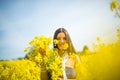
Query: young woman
x=69, y=63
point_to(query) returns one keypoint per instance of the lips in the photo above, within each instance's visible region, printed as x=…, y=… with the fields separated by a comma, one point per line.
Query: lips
x=60, y=46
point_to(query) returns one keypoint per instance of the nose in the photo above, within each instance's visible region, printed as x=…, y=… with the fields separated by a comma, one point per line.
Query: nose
x=61, y=40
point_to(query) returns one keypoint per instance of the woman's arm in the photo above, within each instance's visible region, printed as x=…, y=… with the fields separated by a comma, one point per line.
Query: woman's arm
x=77, y=59
x=44, y=73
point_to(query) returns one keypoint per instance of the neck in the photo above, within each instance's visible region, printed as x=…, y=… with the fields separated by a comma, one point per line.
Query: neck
x=61, y=53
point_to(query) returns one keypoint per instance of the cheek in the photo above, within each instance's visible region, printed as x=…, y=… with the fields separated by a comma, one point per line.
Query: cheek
x=60, y=44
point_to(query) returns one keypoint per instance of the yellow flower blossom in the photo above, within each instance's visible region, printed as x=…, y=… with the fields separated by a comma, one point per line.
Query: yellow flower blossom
x=26, y=49
x=65, y=46
x=98, y=39
x=55, y=42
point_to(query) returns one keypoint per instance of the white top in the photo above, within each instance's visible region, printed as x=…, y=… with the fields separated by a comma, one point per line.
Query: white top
x=64, y=60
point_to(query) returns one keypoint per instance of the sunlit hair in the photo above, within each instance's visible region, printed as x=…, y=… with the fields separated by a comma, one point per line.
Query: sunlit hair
x=68, y=39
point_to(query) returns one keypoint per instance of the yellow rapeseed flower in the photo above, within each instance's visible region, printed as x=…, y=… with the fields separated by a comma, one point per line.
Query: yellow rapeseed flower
x=26, y=49
x=65, y=46
x=98, y=39
x=55, y=42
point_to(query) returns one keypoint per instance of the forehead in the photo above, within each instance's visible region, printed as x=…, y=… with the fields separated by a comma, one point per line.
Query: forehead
x=61, y=34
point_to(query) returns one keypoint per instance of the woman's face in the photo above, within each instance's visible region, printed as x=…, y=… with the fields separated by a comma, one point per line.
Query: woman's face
x=61, y=40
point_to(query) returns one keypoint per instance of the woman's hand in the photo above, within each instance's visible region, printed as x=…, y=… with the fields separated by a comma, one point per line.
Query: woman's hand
x=42, y=52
